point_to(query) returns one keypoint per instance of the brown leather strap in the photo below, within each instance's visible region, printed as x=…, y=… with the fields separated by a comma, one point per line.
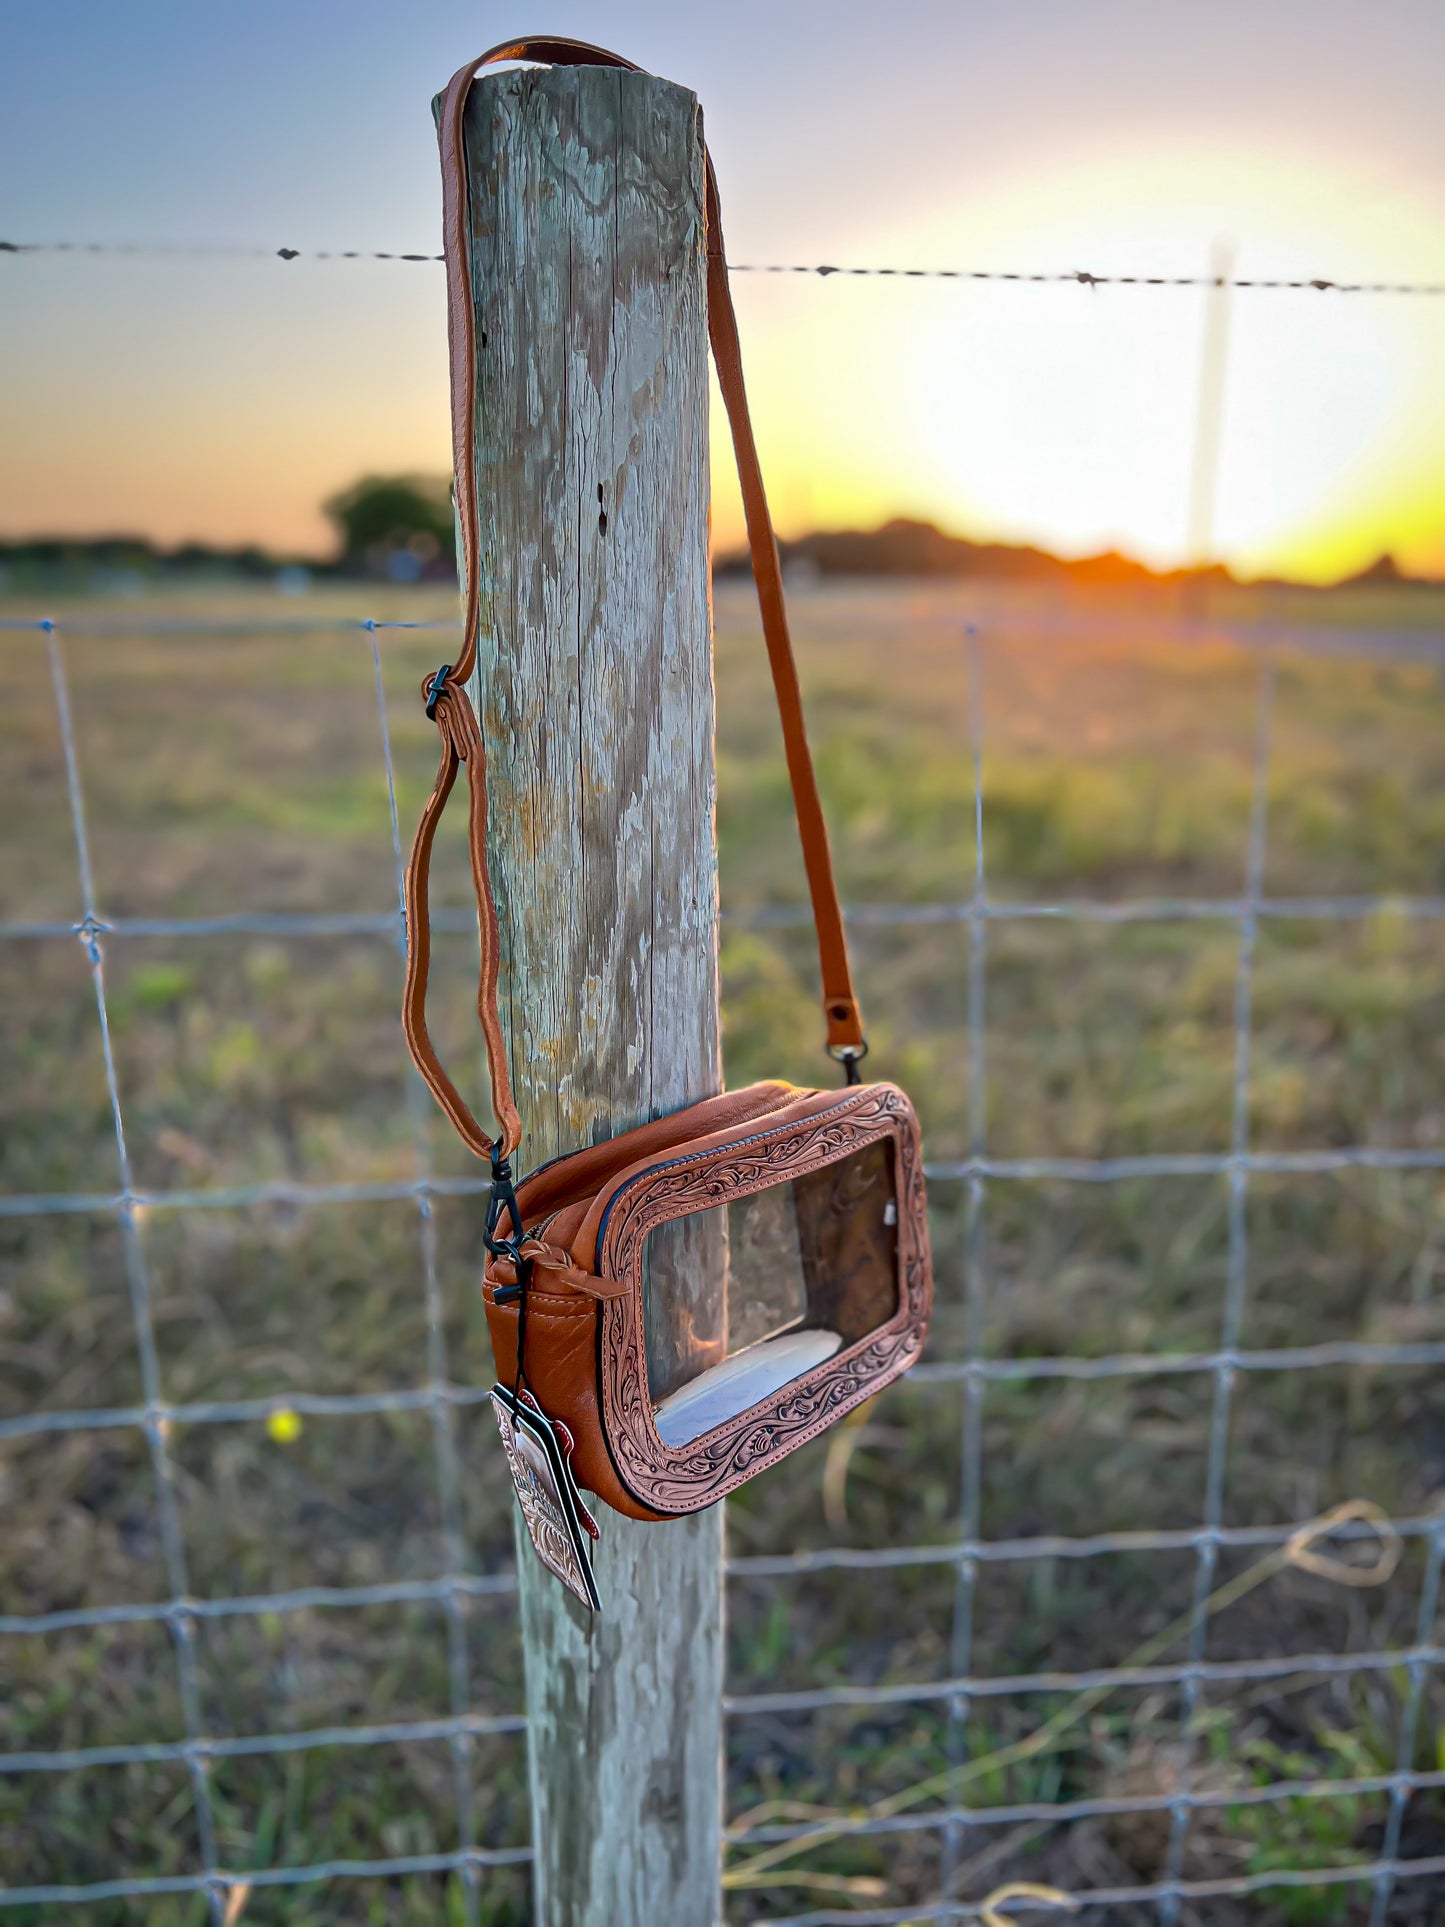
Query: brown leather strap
x=446, y=694
x=840, y=1006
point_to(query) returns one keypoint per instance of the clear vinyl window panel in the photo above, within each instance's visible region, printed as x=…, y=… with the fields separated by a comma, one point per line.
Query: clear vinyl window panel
x=811, y=1267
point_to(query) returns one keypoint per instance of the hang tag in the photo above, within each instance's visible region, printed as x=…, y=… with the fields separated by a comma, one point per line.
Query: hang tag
x=539, y=1452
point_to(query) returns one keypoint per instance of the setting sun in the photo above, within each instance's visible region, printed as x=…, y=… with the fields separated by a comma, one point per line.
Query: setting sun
x=1065, y=416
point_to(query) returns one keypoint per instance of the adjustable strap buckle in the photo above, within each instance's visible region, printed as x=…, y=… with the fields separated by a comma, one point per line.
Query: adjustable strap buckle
x=434, y=690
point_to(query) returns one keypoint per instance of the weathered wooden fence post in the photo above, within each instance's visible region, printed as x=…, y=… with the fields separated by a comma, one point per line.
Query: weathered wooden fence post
x=595, y=693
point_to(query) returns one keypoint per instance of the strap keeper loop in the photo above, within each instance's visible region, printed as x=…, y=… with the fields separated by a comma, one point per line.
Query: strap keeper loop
x=435, y=689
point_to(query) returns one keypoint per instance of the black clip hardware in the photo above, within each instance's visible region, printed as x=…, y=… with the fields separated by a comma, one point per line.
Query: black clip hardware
x=850, y=1056
x=504, y=1198
x=434, y=690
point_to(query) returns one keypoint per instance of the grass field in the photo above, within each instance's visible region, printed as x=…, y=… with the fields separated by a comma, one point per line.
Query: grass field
x=242, y=773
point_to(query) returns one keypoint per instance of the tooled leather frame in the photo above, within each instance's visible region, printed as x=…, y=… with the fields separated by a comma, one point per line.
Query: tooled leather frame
x=669, y=1480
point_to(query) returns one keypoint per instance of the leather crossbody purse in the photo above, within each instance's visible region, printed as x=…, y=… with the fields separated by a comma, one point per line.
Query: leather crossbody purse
x=810, y=1203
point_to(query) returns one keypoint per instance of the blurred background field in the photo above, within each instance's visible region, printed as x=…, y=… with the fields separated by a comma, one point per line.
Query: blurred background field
x=231, y=757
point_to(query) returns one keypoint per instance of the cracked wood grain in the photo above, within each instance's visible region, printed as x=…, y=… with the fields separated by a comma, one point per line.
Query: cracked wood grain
x=596, y=698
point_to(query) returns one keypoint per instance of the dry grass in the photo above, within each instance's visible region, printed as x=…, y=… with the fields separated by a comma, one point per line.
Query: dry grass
x=245, y=774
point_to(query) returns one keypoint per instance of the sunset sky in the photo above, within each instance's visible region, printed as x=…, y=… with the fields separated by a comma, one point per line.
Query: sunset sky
x=223, y=399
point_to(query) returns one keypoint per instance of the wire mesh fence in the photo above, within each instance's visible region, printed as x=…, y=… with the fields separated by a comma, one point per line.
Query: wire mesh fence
x=968, y=1837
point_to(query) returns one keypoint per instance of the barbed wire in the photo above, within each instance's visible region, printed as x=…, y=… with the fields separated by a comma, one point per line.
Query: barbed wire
x=1081, y=277
x=822, y=270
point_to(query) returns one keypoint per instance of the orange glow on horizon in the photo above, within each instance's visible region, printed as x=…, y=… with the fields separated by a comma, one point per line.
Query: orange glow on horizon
x=1050, y=415
x=1065, y=417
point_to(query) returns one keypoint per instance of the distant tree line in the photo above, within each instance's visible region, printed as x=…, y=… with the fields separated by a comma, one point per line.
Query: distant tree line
x=911, y=548
x=399, y=528
x=393, y=527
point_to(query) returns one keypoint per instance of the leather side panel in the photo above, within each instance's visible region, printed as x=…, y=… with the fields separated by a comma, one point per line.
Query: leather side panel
x=562, y=1372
